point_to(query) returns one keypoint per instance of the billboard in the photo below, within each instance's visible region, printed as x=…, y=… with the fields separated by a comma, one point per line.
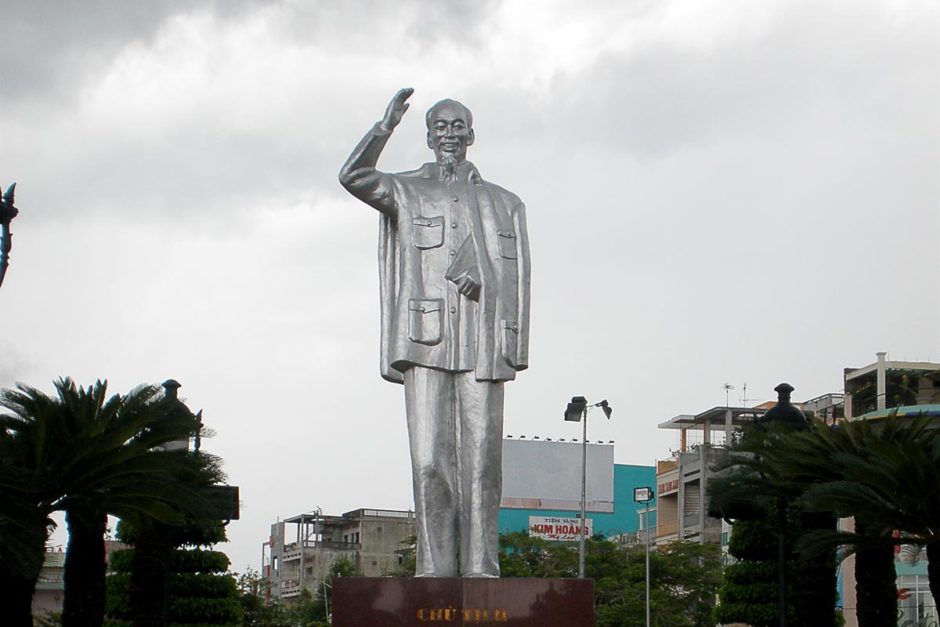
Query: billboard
x=559, y=529
x=539, y=474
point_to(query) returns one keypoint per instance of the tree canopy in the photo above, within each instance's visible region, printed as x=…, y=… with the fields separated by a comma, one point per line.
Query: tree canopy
x=88, y=454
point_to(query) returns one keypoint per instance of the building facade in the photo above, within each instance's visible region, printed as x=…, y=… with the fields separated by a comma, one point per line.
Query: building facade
x=888, y=385
x=50, y=586
x=49, y=594
x=302, y=549
x=682, y=480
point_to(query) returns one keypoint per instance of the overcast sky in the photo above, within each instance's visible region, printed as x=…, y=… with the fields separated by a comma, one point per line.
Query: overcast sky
x=734, y=191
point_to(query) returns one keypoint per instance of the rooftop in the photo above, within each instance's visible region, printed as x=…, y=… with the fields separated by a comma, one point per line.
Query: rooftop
x=354, y=515
x=714, y=417
x=923, y=366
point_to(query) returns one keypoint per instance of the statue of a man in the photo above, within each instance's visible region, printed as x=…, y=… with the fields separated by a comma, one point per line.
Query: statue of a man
x=454, y=275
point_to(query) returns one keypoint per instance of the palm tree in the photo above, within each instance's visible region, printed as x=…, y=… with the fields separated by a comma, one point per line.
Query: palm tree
x=886, y=474
x=24, y=505
x=23, y=532
x=93, y=456
x=769, y=574
x=116, y=468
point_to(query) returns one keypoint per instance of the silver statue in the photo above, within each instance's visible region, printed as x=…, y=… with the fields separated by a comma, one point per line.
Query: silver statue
x=454, y=274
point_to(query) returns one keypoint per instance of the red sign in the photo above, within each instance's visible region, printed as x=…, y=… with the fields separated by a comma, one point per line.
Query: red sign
x=559, y=529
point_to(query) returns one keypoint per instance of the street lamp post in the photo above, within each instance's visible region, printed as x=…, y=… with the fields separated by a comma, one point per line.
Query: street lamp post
x=645, y=495
x=7, y=213
x=577, y=411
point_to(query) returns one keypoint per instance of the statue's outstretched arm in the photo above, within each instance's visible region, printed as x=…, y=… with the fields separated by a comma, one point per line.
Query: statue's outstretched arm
x=359, y=175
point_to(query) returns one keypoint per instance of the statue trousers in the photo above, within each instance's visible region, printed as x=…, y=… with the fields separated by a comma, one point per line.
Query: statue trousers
x=455, y=428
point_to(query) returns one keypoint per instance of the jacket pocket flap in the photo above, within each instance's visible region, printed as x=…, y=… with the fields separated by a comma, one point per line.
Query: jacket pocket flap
x=433, y=221
x=427, y=232
x=507, y=244
x=424, y=306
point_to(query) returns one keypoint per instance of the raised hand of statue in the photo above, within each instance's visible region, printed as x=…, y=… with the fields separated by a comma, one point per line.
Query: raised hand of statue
x=396, y=109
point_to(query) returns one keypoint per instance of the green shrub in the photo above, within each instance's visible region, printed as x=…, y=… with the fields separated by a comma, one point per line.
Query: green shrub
x=202, y=585
x=201, y=610
x=198, y=561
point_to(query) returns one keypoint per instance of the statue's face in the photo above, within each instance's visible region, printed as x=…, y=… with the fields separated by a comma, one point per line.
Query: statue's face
x=449, y=131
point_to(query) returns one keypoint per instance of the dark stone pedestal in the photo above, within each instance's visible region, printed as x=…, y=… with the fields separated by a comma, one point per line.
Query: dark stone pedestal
x=394, y=601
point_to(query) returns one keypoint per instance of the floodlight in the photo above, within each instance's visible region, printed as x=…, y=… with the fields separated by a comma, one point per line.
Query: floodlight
x=575, y=408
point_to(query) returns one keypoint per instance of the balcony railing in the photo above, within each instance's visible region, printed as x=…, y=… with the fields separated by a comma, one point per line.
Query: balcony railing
x=292, y=551
x=290, y=588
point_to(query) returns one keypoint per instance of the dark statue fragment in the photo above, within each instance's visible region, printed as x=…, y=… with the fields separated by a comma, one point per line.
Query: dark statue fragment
x=7, y=213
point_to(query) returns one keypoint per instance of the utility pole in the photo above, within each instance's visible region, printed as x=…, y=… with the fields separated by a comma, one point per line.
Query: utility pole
x=646, y=496
x=576, y=411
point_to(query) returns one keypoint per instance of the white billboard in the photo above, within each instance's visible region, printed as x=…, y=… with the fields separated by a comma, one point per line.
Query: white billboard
x=538, y=474
x=559, y=529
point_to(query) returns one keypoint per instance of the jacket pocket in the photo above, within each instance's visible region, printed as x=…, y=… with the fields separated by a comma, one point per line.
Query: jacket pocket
x=427, y=232
x=425, y=320
x=509, y=342
x=507, y=244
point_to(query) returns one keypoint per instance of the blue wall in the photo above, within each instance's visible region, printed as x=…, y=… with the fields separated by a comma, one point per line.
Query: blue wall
x=624, y=519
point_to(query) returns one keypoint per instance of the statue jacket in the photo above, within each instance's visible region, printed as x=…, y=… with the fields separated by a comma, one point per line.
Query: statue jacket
x=432, y=231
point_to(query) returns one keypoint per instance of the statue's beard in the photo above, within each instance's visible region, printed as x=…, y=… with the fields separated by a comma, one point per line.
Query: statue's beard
x=448, y=167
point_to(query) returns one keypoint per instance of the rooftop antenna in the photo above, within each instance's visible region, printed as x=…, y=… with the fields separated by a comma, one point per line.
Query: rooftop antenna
x=728, y=387
x=744, y=398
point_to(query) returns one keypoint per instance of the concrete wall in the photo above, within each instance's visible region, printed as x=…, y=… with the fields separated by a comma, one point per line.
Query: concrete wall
x=382, y=539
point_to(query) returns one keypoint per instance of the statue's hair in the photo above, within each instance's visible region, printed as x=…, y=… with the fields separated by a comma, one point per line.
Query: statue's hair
x=443, y=103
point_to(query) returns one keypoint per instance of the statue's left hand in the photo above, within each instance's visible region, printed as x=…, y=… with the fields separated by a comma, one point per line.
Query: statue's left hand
x=396, y=109
x=469, y=286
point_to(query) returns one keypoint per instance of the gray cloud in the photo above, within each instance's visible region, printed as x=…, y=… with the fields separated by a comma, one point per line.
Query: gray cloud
x=49, y=47
x=247, y=139
x=818, y=66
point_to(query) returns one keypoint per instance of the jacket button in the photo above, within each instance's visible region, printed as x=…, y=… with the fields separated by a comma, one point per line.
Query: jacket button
x=453, y=310
x=453, y=225
x=456, y=199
